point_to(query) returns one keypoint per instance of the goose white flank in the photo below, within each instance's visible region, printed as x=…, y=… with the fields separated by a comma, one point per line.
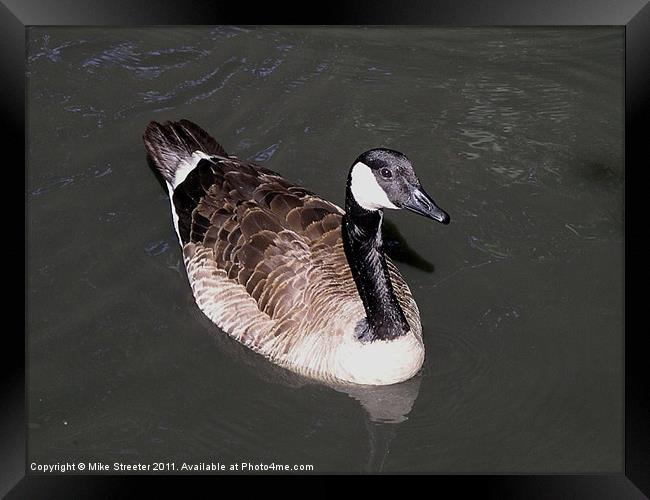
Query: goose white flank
x=289, y=274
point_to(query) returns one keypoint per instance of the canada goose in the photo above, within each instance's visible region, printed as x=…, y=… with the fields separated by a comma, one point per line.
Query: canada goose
x=288, y=274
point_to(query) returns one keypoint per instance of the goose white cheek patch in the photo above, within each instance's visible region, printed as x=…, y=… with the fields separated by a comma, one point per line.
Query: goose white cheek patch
x=366, y=191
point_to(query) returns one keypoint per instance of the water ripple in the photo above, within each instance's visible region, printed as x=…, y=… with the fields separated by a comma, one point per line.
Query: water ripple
x=61, y=182
x=265, y=154
x=143, y=64
x=154, y=248
x=53, y=54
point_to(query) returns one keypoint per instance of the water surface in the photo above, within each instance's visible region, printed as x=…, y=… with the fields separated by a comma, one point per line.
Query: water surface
x=517, y=133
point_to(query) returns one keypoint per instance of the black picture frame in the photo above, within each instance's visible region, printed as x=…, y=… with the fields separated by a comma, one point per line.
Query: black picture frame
x=16, y=15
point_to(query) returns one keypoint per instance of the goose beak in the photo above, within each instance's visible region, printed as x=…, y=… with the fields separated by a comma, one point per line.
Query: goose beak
x=421, y=203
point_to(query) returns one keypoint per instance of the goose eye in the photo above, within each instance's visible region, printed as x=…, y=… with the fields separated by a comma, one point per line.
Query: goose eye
x=386, y=173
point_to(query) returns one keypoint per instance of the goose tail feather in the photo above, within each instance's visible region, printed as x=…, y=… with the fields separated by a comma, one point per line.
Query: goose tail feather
x=172, y=147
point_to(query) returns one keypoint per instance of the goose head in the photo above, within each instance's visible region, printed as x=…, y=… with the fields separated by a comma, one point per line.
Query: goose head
x=383, y=178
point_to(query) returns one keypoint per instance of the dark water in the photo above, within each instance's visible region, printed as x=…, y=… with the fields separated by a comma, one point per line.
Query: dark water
x=517, y=133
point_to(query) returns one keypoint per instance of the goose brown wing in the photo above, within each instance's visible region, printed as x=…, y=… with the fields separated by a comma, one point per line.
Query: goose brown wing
x=260, y=228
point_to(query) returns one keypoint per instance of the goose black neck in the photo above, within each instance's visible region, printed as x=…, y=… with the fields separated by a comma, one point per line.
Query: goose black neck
x=362, y=241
